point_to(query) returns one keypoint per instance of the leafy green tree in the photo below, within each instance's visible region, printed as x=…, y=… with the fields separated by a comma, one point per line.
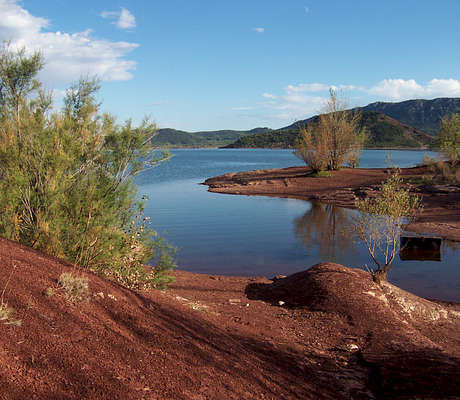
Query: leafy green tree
x=380, y=222
x=449, y=137
x=66, y=177
x=334, y=140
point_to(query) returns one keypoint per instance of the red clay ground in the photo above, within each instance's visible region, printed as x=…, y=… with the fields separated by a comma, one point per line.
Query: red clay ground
x=441, y=213
x=327, y=333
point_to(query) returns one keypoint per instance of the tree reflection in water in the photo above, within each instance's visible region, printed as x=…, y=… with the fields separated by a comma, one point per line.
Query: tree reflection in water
x=326, y=226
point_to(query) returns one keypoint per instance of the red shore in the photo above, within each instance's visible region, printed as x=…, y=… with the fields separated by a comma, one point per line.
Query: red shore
x=325, y=333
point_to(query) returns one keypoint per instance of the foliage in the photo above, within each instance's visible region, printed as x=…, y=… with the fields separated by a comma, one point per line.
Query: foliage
x=380, y=222
x=334, y=140
x=442, y=172
x=66, y=176
x=449, y=137
x=76, y=288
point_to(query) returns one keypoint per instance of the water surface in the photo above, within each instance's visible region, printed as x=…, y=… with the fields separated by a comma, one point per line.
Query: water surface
x=265, y=236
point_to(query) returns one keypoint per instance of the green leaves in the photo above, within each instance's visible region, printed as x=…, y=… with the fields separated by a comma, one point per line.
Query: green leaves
x=449, y=137
x=65, y=177
x=380, y=221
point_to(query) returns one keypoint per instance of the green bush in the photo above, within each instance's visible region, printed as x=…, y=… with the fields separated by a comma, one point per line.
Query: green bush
x=66, y=177
x=449, y=137
x=380, y=221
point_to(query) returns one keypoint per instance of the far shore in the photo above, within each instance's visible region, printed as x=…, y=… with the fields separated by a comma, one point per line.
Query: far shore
x=441, y=213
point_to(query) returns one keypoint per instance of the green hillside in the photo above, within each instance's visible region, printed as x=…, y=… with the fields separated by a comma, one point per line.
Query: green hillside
x=409, y=124
x=176, y=138
x=424, y=115
x=383, y=132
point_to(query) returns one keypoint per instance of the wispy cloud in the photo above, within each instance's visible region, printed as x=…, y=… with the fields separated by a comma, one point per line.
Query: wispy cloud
x=307, y=9
x=68, y=55
x=295, y=102
x=124, y=18
x=242, y=108
x=259, y=30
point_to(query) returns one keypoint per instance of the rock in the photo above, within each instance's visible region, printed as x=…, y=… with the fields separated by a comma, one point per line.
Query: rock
x=278, y=277
x=352, y=347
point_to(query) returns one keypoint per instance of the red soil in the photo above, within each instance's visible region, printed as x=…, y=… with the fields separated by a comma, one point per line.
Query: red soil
x=441, y=212
x=325, y=333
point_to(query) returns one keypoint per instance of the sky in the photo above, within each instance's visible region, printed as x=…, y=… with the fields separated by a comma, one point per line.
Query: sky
x=213, y=64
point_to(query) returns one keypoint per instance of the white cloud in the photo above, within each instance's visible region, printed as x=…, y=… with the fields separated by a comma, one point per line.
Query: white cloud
x=400, y=89
x=307, y=99
x=294, y=103
x=124, y=18
x=259, y=30
x=68, y=56
x=307, y=87
x=396, y=89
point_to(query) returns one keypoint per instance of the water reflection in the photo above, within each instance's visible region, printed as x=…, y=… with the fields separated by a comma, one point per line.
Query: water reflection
x=420, y=248
x=326, y=226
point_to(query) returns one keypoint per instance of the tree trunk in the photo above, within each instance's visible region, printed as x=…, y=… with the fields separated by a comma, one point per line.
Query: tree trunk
x=379, y=276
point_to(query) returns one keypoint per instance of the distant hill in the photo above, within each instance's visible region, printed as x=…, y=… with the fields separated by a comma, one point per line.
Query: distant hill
x=421, y=114
x=176, y=138
x=280, y=139
x=384, y=131
x=411, y=123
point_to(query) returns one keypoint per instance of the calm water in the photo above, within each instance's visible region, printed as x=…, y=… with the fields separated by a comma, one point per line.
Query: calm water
x=262, y=236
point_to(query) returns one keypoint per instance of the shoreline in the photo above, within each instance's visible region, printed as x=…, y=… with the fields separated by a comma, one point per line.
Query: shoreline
x=441, y=214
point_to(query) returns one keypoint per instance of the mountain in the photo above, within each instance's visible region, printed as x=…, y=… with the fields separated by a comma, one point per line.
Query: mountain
x=421, y=114
x=383, y=131
x=176, y=138
x=411, y=123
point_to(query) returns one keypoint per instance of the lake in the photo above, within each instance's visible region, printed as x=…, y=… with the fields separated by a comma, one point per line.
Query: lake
x=265, y=236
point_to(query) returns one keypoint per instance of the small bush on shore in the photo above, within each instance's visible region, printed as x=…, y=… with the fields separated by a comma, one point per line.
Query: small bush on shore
x=76, y=288
x=334, y=140
x=66, y=177
x=380, y=222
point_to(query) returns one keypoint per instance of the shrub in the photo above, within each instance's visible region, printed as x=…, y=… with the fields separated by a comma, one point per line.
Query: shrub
x=332, y=141
x=76, y=288
x=449, y=137
x=66, y=177
x=380, y=222
x=5, y=311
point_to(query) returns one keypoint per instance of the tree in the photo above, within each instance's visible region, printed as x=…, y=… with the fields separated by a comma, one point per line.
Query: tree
x=334, y=140
x=449, y=137
x=380, y=222
x=66, y=177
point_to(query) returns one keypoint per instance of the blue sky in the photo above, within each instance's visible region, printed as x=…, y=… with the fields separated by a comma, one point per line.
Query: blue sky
x=205, y=65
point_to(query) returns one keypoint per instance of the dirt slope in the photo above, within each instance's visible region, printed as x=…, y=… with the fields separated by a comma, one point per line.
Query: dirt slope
x=211, y=337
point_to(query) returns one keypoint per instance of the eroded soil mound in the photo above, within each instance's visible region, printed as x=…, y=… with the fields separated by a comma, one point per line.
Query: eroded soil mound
x=401, y=338
x=204, y=338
